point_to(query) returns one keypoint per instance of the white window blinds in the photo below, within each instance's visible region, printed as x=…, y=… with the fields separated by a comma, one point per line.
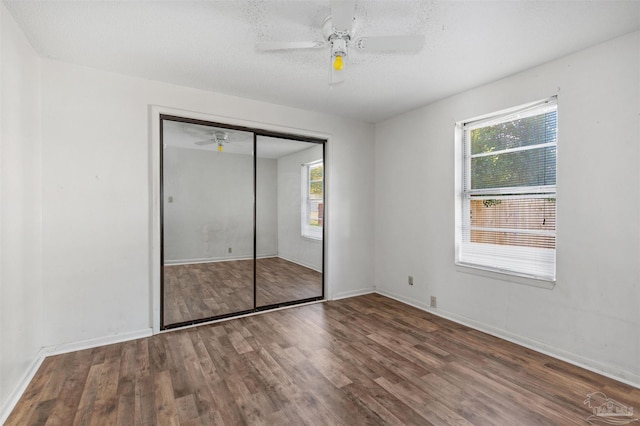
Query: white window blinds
x=508, y=221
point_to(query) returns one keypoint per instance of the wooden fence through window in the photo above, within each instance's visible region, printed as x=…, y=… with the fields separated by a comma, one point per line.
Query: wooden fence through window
x=531, y=214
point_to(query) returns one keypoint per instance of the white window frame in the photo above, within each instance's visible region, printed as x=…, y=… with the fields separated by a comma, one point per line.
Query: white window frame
x=501, y=260
x=307, y=230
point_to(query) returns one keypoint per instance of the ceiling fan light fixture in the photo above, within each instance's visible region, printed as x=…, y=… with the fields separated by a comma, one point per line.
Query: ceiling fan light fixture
x=338, y=63
x=338, y=52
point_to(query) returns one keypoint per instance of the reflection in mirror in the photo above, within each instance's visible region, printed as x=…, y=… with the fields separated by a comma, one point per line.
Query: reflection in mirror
x=290, y=219
x=207, y=186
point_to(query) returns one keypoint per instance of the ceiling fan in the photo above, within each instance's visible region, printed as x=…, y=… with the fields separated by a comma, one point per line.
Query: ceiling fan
x=219, y=136
x=339, y=36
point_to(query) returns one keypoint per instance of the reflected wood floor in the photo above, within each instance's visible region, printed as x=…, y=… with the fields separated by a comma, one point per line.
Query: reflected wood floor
x=363, y=360
x=206, y=290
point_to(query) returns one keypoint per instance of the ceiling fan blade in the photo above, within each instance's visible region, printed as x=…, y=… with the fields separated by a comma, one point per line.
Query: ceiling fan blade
x=342, y=13
x=286, y=45
x=400, y=43
x=207, y=142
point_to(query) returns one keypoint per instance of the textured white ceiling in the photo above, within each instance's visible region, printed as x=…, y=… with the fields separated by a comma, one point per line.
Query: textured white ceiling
x=210, y=45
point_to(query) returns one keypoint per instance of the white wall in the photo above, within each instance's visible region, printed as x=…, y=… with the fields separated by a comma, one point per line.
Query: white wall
x=96, y=179
x=212, y=206
x=292, y=246
x=591, y=316
x=20, y=207
x=266, y=207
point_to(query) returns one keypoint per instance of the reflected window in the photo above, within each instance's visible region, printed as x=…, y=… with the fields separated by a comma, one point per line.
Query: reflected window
x=312, y=199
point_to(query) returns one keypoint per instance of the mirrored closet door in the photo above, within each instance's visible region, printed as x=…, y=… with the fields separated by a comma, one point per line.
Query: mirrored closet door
x=290, y=215
x=242, y=218
x=207, y=183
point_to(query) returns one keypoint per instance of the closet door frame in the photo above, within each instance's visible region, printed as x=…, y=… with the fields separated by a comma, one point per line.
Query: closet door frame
x=256, y=133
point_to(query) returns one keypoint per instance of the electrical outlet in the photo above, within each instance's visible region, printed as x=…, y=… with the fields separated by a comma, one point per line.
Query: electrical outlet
x=229, y=249
x=434, y=302
x=410, y=280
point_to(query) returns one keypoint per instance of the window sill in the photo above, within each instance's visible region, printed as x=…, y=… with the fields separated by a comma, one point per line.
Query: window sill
x=505, y=276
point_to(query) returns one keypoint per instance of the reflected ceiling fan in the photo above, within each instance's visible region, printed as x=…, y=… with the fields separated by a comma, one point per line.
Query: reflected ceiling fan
x=339, y=36
x=219, y=137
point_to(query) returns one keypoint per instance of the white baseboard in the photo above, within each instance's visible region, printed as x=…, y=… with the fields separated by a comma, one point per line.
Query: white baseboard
x=353, y=293
x=7, y=406
x=626, y=377
x=96, y=342
x=231, y=259
x=297, y=262
x=205, y=260
x=408, y=300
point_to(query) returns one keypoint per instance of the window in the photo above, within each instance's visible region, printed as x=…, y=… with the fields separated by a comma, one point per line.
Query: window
x=507, y=210
x=312, y=199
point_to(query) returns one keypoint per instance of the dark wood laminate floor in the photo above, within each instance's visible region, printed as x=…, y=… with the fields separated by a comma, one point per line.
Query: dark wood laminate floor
x=363, y=360
x=207, y=290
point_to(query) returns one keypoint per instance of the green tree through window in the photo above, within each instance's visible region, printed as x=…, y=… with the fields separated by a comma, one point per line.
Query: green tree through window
x=519, y=150
x=508, y=209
